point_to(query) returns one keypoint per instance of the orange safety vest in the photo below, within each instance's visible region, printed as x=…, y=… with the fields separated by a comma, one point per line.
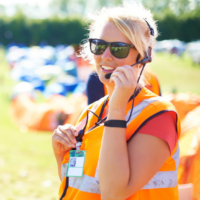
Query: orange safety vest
x=153, y=84
x=163, y=185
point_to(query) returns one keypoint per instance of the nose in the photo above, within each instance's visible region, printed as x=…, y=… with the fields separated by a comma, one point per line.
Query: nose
x=107, y=56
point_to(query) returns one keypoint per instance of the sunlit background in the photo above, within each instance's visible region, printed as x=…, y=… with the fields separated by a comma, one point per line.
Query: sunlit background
x=43, y=84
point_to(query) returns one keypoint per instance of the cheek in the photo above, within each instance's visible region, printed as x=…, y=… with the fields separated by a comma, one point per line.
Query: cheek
x=129, y=60
x=125, y=61
x=97, y=59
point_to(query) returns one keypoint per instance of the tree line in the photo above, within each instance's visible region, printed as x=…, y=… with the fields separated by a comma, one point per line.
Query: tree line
x=72, y=30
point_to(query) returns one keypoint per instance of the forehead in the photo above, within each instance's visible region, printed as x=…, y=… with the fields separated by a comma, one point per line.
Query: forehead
x=110, y=33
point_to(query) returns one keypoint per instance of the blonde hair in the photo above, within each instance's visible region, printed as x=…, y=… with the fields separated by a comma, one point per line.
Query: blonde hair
x=129, y=19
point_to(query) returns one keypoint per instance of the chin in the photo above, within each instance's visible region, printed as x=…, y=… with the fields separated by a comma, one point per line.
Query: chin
x=103, y=79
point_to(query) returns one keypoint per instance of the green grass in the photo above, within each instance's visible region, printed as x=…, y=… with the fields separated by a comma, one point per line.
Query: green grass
x=26, y=159
x=27, y=166
x=177, y=74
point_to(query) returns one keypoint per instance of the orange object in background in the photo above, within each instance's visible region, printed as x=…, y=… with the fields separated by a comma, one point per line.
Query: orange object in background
x=189, y=166
x=184, y=102
x=46, y=116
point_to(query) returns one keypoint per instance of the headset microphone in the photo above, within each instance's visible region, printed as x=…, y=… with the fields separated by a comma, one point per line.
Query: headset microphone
x=107, y=76
x=144, y=61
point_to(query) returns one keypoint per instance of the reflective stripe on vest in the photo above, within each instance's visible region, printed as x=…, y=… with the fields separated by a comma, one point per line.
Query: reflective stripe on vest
x=64, y=170
x=165, y=179
x=162, y=179
x=138, y=109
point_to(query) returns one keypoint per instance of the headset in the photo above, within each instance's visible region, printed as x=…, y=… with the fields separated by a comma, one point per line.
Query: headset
x=144, y=61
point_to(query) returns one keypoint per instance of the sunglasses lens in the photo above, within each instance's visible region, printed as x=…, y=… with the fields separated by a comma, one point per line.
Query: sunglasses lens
x=97, y=46
x=119, y=50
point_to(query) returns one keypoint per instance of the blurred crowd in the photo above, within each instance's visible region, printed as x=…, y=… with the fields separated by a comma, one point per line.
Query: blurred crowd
x=51, y=74
x=177, y=47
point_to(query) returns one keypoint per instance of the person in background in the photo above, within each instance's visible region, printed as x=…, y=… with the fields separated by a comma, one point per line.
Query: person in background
x=130, y=136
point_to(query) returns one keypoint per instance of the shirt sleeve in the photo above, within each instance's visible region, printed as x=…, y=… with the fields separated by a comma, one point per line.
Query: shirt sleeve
x=95, y=88
x=162, y=126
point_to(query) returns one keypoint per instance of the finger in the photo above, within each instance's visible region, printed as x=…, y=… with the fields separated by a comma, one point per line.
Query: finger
x=64, y=136
x=116, y=80
x=74, y=130
x=69, y=132
x=62, y=141
x=121, y=76
x=128, y=71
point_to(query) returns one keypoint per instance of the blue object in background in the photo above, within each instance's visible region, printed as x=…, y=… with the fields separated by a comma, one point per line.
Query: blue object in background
x=80, y=88
x=38, y=84
x=27, y=78
x=69, y=82
x=55, y=88
x=70, y=68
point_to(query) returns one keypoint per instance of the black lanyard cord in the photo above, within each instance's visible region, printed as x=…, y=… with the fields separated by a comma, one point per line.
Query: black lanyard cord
x=134, y=94
x=99, y=121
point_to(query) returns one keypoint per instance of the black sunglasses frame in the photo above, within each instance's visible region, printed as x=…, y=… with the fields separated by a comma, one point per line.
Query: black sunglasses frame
x=110, y=45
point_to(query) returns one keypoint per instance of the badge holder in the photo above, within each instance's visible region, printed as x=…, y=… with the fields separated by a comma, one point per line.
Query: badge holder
x=76, y=163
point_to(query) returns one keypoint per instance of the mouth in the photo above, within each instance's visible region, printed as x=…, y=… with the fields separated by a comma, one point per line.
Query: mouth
x=107, y=69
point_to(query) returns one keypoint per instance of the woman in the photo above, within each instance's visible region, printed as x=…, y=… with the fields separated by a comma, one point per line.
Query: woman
x=131, y=154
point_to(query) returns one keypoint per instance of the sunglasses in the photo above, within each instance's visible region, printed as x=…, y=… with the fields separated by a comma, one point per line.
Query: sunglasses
x=117, y=49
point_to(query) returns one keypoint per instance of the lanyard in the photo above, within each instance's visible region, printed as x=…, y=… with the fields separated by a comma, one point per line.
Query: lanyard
x=99, y=121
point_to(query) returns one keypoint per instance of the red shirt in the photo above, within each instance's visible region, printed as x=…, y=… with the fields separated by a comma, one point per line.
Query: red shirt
x=162, y=126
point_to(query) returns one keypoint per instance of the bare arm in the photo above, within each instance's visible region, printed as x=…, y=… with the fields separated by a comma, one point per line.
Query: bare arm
x=124, y=169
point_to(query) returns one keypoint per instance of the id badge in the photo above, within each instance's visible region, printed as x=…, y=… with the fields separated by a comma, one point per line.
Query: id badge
x=76, y=163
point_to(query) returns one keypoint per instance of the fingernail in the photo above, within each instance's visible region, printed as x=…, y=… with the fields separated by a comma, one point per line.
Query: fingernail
x=74, y=141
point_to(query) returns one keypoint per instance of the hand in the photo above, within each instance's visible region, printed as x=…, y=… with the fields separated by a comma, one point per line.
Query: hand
x=125, y=80
x=63, y=139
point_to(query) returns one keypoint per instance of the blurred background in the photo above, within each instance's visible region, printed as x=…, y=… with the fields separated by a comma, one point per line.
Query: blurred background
x=43, y=84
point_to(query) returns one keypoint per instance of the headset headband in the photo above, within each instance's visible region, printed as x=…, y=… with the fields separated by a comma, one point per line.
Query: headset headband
x=152, y=35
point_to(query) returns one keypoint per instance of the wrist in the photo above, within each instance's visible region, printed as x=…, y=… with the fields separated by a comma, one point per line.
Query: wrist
x=118, y=114
x=115, y=123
